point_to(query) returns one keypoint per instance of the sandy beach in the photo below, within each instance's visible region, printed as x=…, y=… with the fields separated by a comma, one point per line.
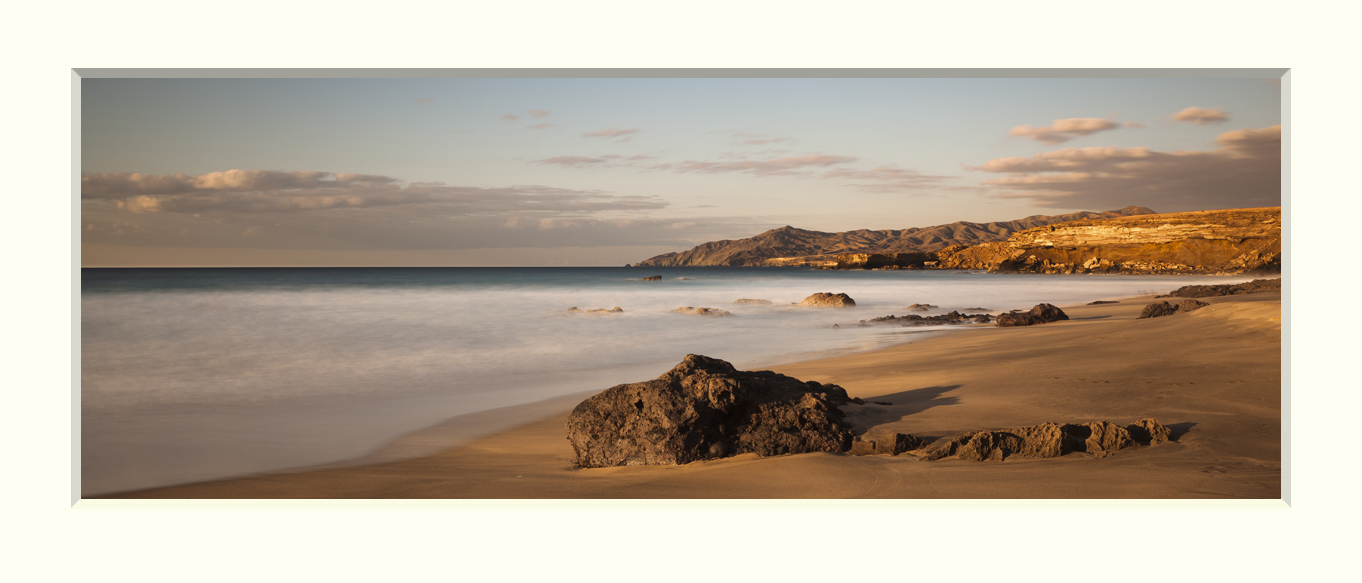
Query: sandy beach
x=1213, y=376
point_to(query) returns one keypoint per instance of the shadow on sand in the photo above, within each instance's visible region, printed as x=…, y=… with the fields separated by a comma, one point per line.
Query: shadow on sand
x=1179, y=429
x=865, y=417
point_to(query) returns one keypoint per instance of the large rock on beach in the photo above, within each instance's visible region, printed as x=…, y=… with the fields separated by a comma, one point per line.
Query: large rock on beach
x=1040, y=314
x=705, y=409
x=1100, y=438
x=828, y=300
x=1158, y=309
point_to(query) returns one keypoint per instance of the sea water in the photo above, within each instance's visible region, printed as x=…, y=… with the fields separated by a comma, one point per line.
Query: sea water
x=196, y=374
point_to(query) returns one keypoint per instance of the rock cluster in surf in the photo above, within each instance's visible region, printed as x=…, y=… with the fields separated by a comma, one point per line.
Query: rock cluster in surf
x=614, y=310
x=702, y=311
x=953, y=317
x=828, y=300
x=1158, y=309
x=1040, y=314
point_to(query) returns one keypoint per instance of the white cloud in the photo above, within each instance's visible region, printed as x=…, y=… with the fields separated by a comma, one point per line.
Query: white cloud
x=1064, y=130
x=1243, y=171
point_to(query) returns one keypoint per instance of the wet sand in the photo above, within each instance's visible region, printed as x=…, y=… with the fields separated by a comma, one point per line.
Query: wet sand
x=1213, y=376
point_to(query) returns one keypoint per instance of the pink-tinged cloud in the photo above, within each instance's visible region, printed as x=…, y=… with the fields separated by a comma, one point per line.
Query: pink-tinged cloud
x=791, y=165
x=759, y=141
x=603, y=161
x=425, y=100
x=626, y=134
x=510, y=117
x=538, y=112
x=575, y=161
x=1064, y=130
x=1243, y=171
x=540, y=126
x=887, y=179
x=266, y=191
x=1202, y=115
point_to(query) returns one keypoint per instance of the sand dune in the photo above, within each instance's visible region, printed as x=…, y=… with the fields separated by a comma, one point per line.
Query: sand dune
x=1213, y=376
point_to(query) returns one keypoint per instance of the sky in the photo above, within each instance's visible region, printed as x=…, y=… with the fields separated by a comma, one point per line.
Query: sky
x=238, y=172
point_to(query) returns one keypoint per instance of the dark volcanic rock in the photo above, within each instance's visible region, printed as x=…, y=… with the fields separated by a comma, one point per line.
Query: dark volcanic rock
x=1048, y=440
x=1101, y=302
x=1041, y=314
x=1210, y=291
x=915, y=320
x=1158, y=309
x=705, y=409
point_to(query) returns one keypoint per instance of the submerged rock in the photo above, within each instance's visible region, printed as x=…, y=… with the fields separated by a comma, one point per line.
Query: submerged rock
x=828, y=300
x=614, y=310
x=750, y=301
x=702, y=311
x=652, y=278
x=1100, y=438
x=1040, y=314
x=1158, y=309
x=922, y=307
x=705, y=409
x=953, y=317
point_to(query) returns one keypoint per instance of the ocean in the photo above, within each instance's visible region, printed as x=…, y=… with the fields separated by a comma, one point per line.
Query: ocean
x=197, y=374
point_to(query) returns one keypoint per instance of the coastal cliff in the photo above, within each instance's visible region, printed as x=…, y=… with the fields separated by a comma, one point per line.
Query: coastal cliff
x=1236, y=241
x=792, y=247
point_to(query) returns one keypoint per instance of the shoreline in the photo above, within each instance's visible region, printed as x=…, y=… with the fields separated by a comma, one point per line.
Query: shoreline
x=950, y=395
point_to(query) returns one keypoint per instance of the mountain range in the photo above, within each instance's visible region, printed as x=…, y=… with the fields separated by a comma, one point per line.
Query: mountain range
x=791, y=246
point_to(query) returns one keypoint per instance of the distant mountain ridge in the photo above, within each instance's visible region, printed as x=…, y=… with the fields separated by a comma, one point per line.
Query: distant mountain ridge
x=790, y=246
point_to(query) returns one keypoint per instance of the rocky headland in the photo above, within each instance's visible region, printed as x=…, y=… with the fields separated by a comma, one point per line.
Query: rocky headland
x=1133, y=240
x=792, y=247
x=1227, y=242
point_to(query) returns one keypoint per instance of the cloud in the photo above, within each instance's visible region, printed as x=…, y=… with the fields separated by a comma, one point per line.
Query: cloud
x=1243, y=171
x=510, y=117
x=574, y=161
x=1202, y=115
x=425, y=100
x=538, y=113
x=1064, y=130
x=759, y=139
x=540, y=126
x=268, y=191
x=790, y=165
x=887, y=178
x=625, y=134
x=603, y=161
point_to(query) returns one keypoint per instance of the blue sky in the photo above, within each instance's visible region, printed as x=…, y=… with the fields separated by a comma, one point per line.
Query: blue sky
x=623, y=168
